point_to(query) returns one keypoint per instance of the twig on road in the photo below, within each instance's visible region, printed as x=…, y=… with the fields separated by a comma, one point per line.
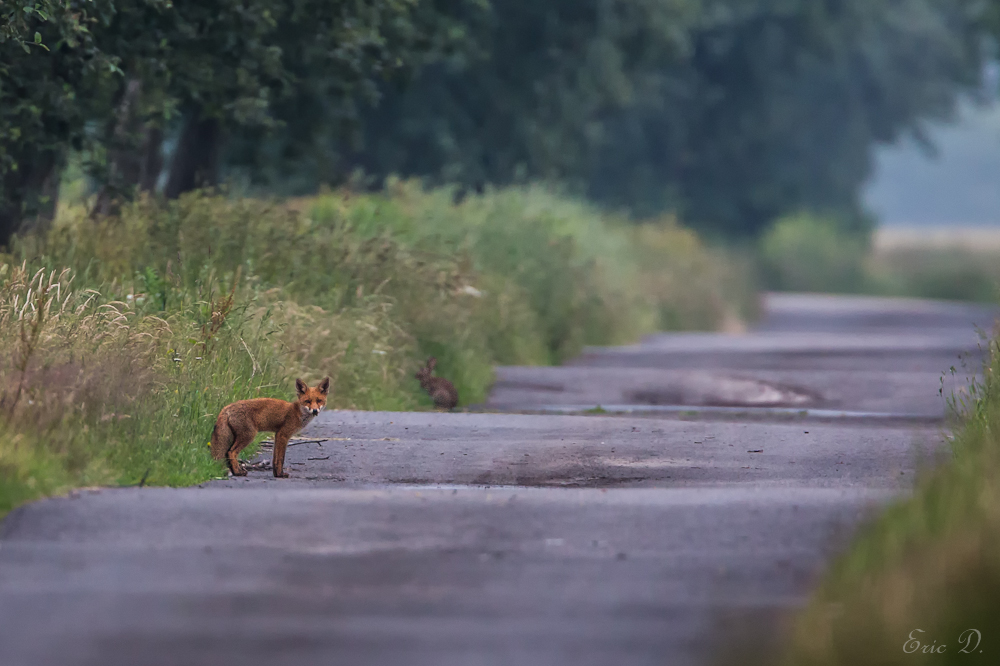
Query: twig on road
x=296, y=442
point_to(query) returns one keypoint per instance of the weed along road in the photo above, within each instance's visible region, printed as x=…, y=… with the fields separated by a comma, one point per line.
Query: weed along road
x=686, y=515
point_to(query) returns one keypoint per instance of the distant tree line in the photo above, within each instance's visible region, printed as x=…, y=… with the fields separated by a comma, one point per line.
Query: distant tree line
x=117, y=79
x=728, y=112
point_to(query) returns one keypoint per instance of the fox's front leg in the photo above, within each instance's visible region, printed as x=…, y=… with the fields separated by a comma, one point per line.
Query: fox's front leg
x=278, y=459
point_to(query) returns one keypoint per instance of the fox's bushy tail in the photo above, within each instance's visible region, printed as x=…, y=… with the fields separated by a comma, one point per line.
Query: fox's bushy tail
x=222, y=437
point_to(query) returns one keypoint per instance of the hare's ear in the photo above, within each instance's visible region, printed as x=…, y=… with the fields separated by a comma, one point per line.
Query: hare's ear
x=300, y=387
x=431, y=363
x=324, y=386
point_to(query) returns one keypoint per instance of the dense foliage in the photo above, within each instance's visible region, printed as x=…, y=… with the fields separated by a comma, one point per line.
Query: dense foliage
x=129, y=334
x=729, y=113
x=114, y=77
x=805, y=252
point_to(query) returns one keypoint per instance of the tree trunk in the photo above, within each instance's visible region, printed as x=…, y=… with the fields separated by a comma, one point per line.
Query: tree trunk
x=124, y=160
x=28, y=196
x=44, y=186
x=196, y=159
x=152, y=159
x=10, y=214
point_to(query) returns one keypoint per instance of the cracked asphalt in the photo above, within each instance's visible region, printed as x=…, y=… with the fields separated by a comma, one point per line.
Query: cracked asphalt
x=512, y=536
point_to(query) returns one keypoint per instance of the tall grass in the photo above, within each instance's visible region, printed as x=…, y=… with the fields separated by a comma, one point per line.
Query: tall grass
x=95, y=391
x=125, y=336
x=927, y=572
x=806, y=252
x=951, y=273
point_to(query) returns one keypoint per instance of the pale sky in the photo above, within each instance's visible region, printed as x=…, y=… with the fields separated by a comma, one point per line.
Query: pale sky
x=959, y=187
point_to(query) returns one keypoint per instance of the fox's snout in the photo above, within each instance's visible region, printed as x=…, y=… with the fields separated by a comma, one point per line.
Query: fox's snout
x=312, y=409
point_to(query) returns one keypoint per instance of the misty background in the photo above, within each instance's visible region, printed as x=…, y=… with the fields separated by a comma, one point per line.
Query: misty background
x=955, y=185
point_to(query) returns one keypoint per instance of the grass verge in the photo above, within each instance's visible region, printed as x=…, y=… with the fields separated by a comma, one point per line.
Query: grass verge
x=125, y=336
x=922, y=584
x=809, y=253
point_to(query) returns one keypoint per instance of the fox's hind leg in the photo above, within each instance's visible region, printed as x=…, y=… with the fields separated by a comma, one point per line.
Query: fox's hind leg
x=244, y=436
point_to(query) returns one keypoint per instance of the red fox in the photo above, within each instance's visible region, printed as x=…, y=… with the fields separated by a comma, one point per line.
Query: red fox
x=239, y=423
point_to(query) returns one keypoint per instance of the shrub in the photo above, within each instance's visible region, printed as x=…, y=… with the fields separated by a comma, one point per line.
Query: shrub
x=151, y=321
x=805, y=252
x=95, y=391
x=808, y=253
x=929, y=272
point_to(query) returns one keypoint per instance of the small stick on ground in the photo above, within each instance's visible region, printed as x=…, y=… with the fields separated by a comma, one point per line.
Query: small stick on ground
x=296, y=442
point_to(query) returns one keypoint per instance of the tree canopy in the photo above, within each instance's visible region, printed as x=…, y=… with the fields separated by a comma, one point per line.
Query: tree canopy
x=113, y=76
x=728, y=112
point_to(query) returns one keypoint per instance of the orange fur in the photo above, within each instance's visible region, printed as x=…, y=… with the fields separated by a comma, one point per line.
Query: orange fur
x=239, y=423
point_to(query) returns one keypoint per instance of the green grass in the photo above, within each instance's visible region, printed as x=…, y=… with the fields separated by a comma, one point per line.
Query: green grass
x=928, y=563
x=125, y=336
x=806, y=252
x=95, y=391
x=950, y=273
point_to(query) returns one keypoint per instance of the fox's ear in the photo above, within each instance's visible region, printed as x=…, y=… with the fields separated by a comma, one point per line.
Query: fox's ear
x=300, y=387
x=324, y=386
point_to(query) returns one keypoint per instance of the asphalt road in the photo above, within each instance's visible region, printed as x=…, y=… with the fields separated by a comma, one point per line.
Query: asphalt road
x=687, y=524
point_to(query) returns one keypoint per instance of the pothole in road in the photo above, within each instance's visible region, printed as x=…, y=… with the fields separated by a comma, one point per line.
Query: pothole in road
x=583, y=482
x=728, y=392
x=531, y=481
x=601, y=472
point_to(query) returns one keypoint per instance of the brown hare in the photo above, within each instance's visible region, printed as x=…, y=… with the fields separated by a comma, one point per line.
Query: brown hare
x=441, y=390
